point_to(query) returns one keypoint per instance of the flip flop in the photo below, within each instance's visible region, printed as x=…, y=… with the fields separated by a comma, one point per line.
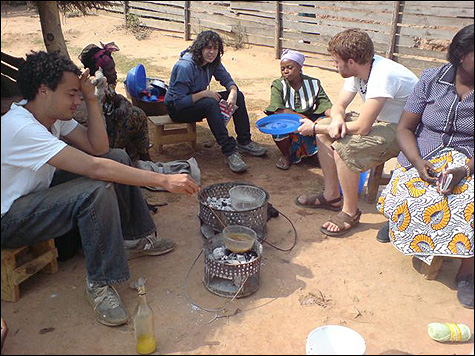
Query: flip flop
x=323, y=203
x=282, y=165
x=339, y=220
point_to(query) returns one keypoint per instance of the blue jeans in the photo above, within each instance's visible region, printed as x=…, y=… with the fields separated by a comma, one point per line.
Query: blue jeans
x=104, y=213
x=209, y=108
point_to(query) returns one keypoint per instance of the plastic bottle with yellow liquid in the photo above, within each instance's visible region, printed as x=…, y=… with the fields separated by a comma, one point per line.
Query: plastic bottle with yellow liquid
x=143, y=323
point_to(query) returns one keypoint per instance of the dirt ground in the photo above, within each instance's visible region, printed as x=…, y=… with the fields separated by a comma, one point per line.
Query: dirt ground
x=354, y=281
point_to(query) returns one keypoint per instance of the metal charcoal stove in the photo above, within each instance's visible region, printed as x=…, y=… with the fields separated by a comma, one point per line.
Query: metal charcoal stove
x=215, y=203
x=231, y=276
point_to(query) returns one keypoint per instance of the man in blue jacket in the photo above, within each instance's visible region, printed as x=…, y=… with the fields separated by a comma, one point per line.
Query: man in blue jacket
x=189, y=100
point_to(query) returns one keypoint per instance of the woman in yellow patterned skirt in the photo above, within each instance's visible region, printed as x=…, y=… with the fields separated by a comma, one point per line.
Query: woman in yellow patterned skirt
x=435, y=134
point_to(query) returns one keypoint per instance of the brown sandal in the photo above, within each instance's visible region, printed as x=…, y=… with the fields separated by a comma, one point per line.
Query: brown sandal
x=323, y=203
x=339, y=220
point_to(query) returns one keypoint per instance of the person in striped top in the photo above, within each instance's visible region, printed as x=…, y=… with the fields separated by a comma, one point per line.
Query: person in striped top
x=299, y=94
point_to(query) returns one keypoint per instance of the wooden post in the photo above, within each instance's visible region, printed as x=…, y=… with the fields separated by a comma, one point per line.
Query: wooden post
x=278, y=30
x=392, y=34
x=126, y=12
x=187, y=23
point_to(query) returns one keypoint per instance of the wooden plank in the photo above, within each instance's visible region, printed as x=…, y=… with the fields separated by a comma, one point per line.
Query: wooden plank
x=256, y=19
x=359, y=15
x=322, y=40
x=436, y=21
x=238, y=6
x=156, y=15
x=416, y=52
x=163, y=25
x=437, y=11
x=333, y=30
x=209, y=21
x=427, y=33
x=28, y=269
x=205, y=6
x=416, y=63
x=168, y=3
x=451, y=4
x=382, y=6
x=336, y=22
x=168, y=10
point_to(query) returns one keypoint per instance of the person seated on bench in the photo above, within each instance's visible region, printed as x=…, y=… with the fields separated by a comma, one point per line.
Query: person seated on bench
x=435, y=134
x=296, y=93
x=347, y=148
x=104, y=202
x=188, y=99
x=127, y=125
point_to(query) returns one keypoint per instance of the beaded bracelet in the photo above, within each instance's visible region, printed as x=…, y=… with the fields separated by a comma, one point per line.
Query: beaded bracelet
x=467, y=170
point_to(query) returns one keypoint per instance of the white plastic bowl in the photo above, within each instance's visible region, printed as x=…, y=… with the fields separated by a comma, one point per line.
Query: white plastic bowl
x=335, y=340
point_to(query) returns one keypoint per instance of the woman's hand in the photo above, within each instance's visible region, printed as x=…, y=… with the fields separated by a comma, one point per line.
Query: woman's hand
x=426, y=171
x=306, y=126
x=458, y=173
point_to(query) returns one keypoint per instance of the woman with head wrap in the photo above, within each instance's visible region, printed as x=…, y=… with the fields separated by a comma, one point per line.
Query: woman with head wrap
x=126, y=124
x=299, y=94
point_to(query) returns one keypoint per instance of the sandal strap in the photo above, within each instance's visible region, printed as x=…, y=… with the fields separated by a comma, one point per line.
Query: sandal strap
x=321, y=199
x=341, y=218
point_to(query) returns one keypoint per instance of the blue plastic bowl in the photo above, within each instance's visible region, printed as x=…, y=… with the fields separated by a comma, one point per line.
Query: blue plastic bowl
x=136, y=80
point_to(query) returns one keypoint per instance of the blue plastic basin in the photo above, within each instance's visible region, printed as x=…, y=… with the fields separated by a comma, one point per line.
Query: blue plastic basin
x=136, y=80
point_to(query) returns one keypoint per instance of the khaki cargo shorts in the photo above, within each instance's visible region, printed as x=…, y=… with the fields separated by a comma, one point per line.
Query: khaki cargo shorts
x=361, y=153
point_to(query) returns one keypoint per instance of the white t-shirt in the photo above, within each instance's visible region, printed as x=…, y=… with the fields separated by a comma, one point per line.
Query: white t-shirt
x=27, y=146
x=387, y=79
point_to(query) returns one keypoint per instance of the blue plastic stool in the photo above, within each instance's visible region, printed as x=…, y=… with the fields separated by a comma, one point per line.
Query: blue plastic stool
x=361, y=183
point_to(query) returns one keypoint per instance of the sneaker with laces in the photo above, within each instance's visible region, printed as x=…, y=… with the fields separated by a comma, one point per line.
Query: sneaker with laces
x=253, y=149
x=107, y=305
x=150, y=245
x=235, y=162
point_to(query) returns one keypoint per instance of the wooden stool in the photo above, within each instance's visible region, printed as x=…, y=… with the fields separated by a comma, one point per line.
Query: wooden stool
x=19, y=264
x=375, y=180
x=431, y=271
x=170, y=132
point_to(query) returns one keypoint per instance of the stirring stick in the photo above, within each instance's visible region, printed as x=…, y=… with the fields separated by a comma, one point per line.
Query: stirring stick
x=217, y=217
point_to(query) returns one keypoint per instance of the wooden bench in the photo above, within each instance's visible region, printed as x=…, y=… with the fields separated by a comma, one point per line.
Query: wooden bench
x=170, y=132
x=19, y=264
x=431, y=271
x=376, y=179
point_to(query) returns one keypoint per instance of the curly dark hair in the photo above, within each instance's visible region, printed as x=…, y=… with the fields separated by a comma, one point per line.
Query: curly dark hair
x=43, y=68
x=201, y=41
x=461, y=45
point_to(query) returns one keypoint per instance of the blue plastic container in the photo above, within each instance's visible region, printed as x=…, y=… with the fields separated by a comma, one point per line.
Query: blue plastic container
x=136, y=80
x=361, y=183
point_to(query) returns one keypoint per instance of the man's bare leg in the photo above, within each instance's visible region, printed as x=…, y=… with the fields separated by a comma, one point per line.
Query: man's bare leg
x=349, y=180
x=330, y=175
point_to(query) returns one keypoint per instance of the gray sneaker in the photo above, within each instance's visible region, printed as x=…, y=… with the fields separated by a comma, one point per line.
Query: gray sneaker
x=253, y=149
x=149, y=245
x=235, y=162
x=106, y=304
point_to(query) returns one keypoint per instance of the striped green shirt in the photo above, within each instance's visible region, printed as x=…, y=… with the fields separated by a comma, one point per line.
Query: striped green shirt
x=309, y=99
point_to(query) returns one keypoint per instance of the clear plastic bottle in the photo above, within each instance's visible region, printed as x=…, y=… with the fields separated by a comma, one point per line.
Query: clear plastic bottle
x=143, y=323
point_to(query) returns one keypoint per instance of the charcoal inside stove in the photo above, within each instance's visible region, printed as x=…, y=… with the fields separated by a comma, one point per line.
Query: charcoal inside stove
x=227, y=256
x=220, y=203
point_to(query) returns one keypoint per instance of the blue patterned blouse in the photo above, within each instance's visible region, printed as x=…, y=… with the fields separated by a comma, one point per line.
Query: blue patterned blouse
x=446, y=121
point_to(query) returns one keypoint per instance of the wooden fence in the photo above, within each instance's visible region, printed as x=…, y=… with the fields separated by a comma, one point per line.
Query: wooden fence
x=413, y=33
